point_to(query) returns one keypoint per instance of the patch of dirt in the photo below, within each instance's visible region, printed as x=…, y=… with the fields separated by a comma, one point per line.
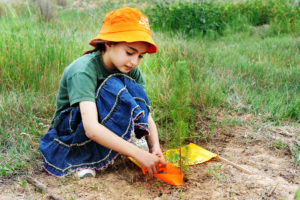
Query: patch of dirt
x=275, y=175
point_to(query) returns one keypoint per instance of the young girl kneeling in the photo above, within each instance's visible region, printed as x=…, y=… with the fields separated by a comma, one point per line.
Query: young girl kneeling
x=101, y=104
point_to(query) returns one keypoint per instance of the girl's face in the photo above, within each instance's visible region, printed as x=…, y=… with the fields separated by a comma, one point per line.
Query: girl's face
x=124, y=56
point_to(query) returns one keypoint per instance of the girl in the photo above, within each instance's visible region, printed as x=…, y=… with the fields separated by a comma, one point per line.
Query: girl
x=101, y=105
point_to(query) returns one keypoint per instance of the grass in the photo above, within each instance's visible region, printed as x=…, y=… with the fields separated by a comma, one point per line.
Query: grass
x=254, y=71
x=243, y=72
x=22, y=115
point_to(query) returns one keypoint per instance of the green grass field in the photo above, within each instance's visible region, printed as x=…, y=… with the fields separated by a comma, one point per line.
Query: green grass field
x=246, y=68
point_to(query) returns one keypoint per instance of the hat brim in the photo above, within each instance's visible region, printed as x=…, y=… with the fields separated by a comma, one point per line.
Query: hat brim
x=128, y=36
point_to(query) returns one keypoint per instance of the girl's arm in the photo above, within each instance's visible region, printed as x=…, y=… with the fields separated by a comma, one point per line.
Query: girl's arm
x=152, y=139
x=102, y=135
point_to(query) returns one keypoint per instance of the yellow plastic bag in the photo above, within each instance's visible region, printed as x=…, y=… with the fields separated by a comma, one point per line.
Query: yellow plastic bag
x=190, y=154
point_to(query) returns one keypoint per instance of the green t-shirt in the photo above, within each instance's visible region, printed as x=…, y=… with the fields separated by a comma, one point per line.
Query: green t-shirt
x=80, y=80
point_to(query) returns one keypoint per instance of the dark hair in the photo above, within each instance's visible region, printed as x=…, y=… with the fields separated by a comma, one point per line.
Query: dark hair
x=100, y=46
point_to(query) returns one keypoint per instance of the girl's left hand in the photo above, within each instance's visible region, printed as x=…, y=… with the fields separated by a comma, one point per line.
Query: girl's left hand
x=156, y=151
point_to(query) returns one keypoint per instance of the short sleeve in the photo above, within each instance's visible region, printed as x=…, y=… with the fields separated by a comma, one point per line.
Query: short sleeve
x=81, y=87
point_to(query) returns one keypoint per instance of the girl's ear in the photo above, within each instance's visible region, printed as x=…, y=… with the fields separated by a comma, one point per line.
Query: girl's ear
x=107, y=44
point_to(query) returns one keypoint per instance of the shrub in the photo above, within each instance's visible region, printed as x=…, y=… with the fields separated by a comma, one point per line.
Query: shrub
x=46, y=9
x=180, y=103
x=204, y=17
x=187, y=17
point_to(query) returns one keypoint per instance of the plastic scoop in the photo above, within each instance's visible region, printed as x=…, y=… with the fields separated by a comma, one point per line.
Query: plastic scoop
x=170, y=174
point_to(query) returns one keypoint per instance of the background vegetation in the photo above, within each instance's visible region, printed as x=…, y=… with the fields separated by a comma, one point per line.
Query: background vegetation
x=234, y=57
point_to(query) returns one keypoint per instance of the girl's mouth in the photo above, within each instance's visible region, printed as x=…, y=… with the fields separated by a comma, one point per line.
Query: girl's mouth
x=128, y=68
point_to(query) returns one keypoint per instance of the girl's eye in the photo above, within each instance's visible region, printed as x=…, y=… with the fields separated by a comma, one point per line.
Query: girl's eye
x=130, y=54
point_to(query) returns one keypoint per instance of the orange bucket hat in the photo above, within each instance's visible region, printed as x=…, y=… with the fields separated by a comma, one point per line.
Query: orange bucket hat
x=126, y=25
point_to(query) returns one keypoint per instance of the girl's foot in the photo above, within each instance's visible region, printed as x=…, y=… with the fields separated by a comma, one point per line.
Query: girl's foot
x=86, y=173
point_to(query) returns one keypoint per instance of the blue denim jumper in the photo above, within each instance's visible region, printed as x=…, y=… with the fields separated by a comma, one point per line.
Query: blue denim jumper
x=123, y=108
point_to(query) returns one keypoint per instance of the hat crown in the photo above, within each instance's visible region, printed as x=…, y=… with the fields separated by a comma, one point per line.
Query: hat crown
x=125, y=19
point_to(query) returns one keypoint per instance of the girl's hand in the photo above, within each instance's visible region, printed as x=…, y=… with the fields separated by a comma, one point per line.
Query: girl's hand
x=149, y=161
x=156, y=151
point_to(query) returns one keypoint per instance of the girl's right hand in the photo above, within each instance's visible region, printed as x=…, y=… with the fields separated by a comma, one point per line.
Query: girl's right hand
x=149, y=161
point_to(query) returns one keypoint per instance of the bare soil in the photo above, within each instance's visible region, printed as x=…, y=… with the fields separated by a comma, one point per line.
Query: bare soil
x=265, y=151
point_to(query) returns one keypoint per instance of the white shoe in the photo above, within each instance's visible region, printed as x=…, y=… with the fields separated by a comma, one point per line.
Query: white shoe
x=141, y=143
x=86, y=173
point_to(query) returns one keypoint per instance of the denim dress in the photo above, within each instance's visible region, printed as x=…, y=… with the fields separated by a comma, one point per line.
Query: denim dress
x=123, y=108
